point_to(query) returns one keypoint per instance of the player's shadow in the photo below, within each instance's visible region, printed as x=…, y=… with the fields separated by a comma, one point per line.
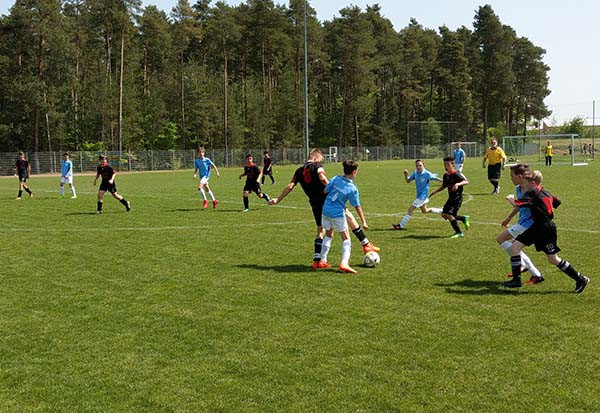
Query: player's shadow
x=485, y=287
x=278, y=268
x=84, y=213
x=200, y=210
x=422, y=237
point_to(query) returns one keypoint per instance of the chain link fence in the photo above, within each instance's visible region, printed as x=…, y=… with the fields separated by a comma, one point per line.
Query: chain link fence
x=49, y=162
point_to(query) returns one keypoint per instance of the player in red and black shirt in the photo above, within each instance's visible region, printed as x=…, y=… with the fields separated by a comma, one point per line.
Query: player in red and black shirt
x=542, y=233
x=107, y=173
x=23, y=171
x=311, y=177
x=267, y=168
x=253, y=175
x=454, y=182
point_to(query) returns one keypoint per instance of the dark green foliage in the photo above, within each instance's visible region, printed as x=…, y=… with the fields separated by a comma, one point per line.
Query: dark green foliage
x=230, y=76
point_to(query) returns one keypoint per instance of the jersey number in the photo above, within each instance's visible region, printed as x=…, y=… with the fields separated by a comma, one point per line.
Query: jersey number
x=307, y=176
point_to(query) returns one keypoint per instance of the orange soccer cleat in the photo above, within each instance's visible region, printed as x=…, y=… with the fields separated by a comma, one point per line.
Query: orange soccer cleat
x=215, y=203
x=368, y=247
x=348, y=269
x=204, y=204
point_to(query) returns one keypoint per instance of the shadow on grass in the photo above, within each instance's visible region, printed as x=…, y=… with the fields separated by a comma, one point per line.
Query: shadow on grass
x=200, y=210
x=278, y=268
x=87, y=213
x=423, y=237
x=483, y=287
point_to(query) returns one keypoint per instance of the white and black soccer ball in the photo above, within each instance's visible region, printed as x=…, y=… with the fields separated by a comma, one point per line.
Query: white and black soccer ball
x=371, y=259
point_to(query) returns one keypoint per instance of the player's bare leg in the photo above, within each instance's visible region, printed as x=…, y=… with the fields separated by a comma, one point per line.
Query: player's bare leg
x=360, y=233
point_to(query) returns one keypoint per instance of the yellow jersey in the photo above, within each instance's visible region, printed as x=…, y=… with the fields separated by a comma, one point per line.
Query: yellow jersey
x=494, y=156
x=549, y=150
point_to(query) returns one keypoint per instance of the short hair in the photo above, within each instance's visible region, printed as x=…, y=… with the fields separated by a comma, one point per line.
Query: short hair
x=201, y=148
x=316, y=150
x=266, y=152
x=349, y=166
x=101, y=157
x=537, y=177
x=449, y=159
x=66, y=154
x=249, y=156
x=21, y=153
x=420, y=160
x=519, y=169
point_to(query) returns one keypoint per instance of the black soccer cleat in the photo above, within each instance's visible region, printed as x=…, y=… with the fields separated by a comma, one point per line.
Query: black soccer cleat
x=580, y=285
x=128, y=206
x=514, y=283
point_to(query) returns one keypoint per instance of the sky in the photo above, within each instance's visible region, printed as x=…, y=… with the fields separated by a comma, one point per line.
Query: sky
x=568, y=30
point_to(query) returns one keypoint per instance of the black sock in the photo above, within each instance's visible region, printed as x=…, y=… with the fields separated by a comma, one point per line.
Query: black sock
x=460, y=218
x=262, y=180
x=124, y=202
x=515, y=263
x=455, y=227
x=568, y=269
x=27, y=190
x=99, y=206
x=495, y=183
x=266, y=197
x=245, y=202
x=360, y=234
x=20, y=193
x=272, y=179
x=318, y=244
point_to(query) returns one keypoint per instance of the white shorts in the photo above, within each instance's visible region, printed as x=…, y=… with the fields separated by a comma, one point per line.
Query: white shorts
x=516, y=230
x=67, y=180
x=459, y=167
x=338, y=224
x=418, y=203
x=204, y=180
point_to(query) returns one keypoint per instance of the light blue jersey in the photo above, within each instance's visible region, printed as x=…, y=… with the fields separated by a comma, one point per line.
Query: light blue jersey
x=203, y=165
x=422, y=181
x=459, y=156
x=340, y=190
x=525, y=218
x=66, y=169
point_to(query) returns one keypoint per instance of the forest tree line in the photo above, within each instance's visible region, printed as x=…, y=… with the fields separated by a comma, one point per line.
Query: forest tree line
x=105, y=74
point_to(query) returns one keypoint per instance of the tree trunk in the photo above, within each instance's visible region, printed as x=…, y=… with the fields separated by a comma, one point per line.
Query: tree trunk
x=225, y=92
x=182, y=105
x=121, y=95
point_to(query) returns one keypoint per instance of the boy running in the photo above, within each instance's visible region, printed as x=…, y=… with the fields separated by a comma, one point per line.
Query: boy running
x=203, y=165
x=542, y=233
x=253, y=175
x=422, y=177
x=311, y=177
x=108, y=184
x=66, y=176
x=459, y=157
x=267, y=168
x=339, y=190
x=525, y=221
x=454, y=181
x=23, y=172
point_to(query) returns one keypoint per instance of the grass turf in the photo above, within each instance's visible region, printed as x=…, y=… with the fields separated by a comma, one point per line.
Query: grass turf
x=171, y=308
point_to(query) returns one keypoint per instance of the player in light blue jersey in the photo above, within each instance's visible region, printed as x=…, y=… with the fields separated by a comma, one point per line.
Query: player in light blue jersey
x=525, y=221
x=339, y=190
x=459, y=157
x=422, y=177
x=203, y=165
x=66, y=176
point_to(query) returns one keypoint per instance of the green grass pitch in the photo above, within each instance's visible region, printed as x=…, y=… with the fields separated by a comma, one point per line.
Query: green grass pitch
x=172, y=308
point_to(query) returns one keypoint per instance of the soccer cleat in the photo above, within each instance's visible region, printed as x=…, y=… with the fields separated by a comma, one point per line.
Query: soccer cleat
x=348, y=269
x=315, y=265
x=18, y=198
x=467, y=222
x=98, y=212
x=323, y=264
x=397, y=227
x=368, y=247
x=205, y=204
x=31, y=195
x=215, y=203
x=457, y=235
x=535, y=280
x=514, y=283
x=580, y=285
x=74, y=197
x=523, y=269
x=128, y=206
x=245, y=210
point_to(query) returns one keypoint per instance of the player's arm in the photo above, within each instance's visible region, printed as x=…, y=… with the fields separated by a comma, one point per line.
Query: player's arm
x=216, y=169
x=289, y=188
x=96, y=178
x=405, y=172
x=243, y=175
x=260, y=174
x=485, y=155
x=361, y=215
x=441, y=188
x=464, y=182
x=322, y=176
x=28, y=170
x=68, y=172
x=112, y=178
x=195, y=170
x=510, y=216
x=503, y=160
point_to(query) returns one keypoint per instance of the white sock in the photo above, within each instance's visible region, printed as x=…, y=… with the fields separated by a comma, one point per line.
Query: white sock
x=436, y=210
x=211, y=195
x=404, y=220
x=325, y=248
x=62, y=190
x=346, y=249
x=73, y=191
x=203, y=193
x=506, y=246
x=527, y=263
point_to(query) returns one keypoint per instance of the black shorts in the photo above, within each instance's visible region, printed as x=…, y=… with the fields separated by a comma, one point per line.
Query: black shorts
x=494, y=172
x=543, y=236
x=252, y=187
x=267, y=172
x=23, y=177
x=105, y=186
x=452, y=206
x=317, y=210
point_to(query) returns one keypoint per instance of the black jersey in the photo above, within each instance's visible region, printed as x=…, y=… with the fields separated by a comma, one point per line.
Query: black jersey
x=308, y=177
x=22, y=166
x=105, y=171
x=266, y=163
x=252, y=172
x=542, y=204
x=451, y=178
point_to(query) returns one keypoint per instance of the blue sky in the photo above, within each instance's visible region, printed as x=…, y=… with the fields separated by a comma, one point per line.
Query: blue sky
x=568, y=30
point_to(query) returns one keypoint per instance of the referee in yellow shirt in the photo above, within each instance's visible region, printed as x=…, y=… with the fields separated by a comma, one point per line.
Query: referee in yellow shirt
x=496, y=160
x=548, y=154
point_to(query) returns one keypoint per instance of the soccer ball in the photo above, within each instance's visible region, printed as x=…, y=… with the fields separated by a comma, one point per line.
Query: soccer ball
x=371, y=259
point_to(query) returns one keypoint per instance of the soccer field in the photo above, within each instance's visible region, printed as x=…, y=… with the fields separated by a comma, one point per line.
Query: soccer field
x=174, y=308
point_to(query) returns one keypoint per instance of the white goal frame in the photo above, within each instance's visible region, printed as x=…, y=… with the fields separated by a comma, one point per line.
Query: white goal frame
x=471, y=150
x=534, y=146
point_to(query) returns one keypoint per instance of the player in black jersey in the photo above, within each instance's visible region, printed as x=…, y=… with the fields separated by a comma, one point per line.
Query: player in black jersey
x=311, y=177
x=253, y=175
x=454, y=182
x=267, y=168
x=542, y=233
x=23, y=170
x=107, y=173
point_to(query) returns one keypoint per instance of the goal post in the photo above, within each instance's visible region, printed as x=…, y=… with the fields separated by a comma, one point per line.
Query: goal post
x=471, y=148
x=531, y=149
